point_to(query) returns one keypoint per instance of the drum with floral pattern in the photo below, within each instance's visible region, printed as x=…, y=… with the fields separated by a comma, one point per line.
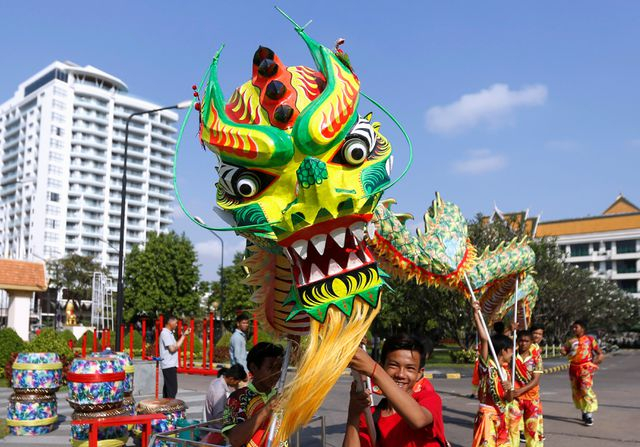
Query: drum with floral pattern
x=32, y=414
x=36, y=371
x=95, y=384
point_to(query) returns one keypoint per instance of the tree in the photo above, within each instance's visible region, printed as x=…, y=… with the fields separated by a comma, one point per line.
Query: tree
x=74, y=273
x=237, y=295
x=162, y=277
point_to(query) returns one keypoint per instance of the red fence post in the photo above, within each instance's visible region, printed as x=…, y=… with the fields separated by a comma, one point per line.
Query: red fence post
x=255, y=330
x=211, y=329
x=191, y=337
x=121, y=338
x=103, y=339
x=204, y=343
x=84, y=345
x=131, y=340
x=144, y=339
x=95, y=342
x=181, y=357
x=157, y=332
x=70, y=342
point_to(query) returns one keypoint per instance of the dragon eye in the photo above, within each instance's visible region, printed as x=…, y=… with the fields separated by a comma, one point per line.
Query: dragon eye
x=355, y=151
x=248, y=185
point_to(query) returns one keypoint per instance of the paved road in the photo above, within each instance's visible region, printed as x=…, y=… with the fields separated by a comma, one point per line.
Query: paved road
x=616, y=424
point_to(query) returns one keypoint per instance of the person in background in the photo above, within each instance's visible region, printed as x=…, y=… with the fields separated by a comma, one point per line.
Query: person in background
x=219, y=390
x=537, y=334
x=490, y=427
x=248, y=410
x=584, y=356
x=411, y=412
x=169, y=348
x=238, y=342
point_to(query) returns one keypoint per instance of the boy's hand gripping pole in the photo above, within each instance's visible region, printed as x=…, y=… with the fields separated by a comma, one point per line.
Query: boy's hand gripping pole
x=361, y=385
x=486, y=331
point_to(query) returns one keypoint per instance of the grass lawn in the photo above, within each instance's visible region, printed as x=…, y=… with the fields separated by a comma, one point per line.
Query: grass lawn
x=441, y=358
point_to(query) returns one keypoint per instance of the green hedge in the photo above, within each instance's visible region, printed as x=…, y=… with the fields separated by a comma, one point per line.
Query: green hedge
x=48, y=340
x=10, y=342
x=463, y=355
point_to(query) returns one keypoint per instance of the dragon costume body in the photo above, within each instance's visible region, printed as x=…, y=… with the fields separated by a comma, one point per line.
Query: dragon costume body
x=301, y=175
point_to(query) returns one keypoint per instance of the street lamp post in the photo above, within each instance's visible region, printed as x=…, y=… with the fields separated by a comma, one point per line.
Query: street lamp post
x=123, y=204
x=200, y=221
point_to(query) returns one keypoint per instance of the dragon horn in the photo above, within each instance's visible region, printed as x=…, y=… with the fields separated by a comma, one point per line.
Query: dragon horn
x=239, y=144
x=332, y=114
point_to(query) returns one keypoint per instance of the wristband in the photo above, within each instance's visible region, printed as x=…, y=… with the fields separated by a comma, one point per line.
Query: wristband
x=375, y=365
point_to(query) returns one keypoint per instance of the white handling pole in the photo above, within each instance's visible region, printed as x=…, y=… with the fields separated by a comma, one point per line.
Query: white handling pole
x=486, y=331
x=281, y=382
x=360, y=387
x=515, y=335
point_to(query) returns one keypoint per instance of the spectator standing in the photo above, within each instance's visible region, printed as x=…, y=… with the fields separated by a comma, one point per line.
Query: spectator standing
x=238, y=342
x=169, y=356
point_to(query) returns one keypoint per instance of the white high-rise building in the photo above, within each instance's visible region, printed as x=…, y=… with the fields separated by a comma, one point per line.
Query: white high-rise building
x=61, y=163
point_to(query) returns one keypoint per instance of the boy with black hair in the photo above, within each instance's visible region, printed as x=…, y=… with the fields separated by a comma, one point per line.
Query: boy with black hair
x=411, y=412
x=248, y=410
x=490, y=428
x=527, y=394
x=584, y=356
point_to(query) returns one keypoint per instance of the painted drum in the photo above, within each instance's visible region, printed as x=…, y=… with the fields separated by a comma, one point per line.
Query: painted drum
x=95, y=384
x=175, y=409
x=32, y=414
x=126, y=362
x=115, y=436
x=41, y=371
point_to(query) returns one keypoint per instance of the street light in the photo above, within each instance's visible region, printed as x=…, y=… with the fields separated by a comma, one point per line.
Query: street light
x=123, y=200
x=201, y=222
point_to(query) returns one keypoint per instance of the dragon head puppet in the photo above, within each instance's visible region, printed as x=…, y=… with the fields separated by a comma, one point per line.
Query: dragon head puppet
x=300, y=174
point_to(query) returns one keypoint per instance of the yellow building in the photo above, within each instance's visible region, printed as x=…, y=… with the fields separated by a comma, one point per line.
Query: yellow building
x=608, y=245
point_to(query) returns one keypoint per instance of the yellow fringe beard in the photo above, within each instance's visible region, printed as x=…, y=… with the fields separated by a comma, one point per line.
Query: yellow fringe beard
x=332, y=345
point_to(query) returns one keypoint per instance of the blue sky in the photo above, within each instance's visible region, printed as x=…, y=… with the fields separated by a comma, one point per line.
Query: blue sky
x=528, y=105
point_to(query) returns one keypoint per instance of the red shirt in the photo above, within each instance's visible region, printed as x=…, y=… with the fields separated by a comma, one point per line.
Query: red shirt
x=395, y=432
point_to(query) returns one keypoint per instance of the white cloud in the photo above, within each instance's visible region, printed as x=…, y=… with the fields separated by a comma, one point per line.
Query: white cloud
x=480, y=161
x=491, y=106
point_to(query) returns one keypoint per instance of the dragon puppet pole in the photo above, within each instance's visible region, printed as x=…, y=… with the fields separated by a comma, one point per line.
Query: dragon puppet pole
x=515, y=336
x=360, y=387
x=486, y=331
x=273, y=426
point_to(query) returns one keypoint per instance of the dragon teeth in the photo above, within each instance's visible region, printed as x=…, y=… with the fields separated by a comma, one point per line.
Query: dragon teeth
x=338, y=235
x=319, y=242
x=315, y=274
x=353, y=262
x=288, y=255
x=334, y=268
x=389, y=165
x=300, y=247
x=357, y=229
x=371, y=230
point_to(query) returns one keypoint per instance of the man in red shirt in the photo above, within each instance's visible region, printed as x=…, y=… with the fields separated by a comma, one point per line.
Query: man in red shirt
x=406, y=416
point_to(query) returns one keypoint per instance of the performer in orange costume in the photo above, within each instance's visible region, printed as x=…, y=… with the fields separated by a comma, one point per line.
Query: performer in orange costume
x=527, y=394
x=490, y=428
x=585, y=356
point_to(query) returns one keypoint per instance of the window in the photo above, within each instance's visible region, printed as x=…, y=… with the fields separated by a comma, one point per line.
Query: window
x=609, y=265
x=52, y=209
x=627, y=266
x=596, y=246
x=628, y=285
x=59, y=131
x=583, y=265
x=56, y=156
x=58, y=91
x=51, y=223
x=57, y=104
x=56, y=143
x=55, y=170
x=626, y=246
x=607, y=245
x=580, y=250
x=58, y=117
x=54, y=183
x=50, y=237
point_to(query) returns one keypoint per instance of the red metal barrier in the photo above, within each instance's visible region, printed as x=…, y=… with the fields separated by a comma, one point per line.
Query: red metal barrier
x=144, y=339
x=70, y=343
x=255, y=330
x=142, y=419
x=95, y=342
x=131, y=341
x=84, y=345
x=211, y=339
